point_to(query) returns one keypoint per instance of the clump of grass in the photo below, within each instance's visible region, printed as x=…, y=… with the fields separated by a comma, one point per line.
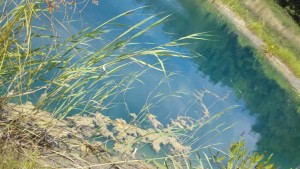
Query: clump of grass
x=21, y=139
x=9, y=160
x=240, y=157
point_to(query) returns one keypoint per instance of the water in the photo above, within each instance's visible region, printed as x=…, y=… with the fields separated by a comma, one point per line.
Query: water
x=266, y=114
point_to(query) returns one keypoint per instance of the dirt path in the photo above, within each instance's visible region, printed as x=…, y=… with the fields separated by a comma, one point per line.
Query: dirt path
x=259, y=43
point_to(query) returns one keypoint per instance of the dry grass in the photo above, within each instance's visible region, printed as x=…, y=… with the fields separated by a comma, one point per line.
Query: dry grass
x=57, y=143
x=13, y=160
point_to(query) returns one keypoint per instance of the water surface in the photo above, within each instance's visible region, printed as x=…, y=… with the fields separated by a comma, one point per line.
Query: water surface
x=266, y=114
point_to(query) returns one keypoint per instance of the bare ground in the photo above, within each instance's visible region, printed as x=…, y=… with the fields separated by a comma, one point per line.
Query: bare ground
x=259, y=43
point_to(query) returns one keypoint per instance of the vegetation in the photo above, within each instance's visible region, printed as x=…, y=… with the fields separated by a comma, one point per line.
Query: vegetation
x=292, y=7
x=75, y=80
x=10, y=161
x=238, y=158
x=265, y=93
x=276, y=109
x=285, y=49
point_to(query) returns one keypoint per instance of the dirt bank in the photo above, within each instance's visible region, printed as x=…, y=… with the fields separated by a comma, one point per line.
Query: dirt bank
x=58, y=143
x=72, y=142
x=258, y=43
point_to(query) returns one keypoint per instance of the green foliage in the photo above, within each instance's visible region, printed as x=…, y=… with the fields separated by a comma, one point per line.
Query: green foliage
x=10, y=160
x=257, y=27
x=292, y=7
x=279, y=47
x=239, y=157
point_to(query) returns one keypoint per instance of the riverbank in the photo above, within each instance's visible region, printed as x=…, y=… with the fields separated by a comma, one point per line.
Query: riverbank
x=84, y=141
x=35, y=137
x=31, y=138
x=288, y=68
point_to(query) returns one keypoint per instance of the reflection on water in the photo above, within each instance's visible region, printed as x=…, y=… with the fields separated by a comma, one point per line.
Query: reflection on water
x=226, y=62
x=224, y=68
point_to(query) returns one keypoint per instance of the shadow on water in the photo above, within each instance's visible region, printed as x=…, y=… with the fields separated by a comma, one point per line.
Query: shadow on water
x=225, y=61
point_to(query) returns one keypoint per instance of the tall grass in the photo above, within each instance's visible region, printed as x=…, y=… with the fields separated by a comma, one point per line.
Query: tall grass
x=68, y=68
x=70, y=75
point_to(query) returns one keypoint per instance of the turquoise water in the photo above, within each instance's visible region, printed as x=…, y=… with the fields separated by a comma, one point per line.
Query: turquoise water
x=266, y=115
